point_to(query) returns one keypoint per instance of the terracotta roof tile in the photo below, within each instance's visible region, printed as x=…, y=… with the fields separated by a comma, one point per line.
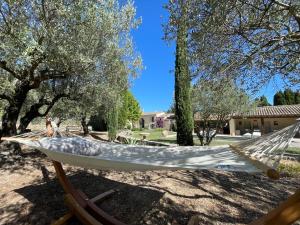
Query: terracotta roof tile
x=273, y=111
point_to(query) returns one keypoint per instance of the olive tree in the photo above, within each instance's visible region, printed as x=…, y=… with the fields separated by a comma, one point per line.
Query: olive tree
x=217, y=101
x=39, y=102
x=259, y=39
x=50, y=40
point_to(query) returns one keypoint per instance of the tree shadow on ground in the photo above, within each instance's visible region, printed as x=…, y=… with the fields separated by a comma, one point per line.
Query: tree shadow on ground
x=46, y=198
x=249, y=196
x=13, y=156
x=146, y=203
x=225, y=197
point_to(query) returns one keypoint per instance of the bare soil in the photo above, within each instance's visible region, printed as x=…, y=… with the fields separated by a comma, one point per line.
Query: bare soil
x=30, y=193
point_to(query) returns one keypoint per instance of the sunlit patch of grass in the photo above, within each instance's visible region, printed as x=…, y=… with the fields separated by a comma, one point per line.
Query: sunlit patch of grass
x=289, y=168
x=154, y=134
x=293, y=150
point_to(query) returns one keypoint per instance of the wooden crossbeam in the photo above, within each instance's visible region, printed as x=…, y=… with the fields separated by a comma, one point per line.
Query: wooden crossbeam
x=80, y=212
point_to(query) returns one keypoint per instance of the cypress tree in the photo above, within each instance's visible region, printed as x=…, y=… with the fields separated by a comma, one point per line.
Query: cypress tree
x=279, y=98
x=289, y=96
x=123, y=110
x=297, y=97
x=183, y=108
x=262, y=101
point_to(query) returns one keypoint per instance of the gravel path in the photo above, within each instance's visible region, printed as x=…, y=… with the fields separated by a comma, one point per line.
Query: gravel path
x=30, y=194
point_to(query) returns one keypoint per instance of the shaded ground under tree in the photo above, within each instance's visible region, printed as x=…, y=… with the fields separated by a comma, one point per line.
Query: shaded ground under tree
x=30, y=193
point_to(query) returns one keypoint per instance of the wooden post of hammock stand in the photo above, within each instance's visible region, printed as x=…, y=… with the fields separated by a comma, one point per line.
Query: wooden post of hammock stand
x=80, y=205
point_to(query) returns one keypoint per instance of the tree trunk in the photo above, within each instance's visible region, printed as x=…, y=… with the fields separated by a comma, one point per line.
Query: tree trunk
x=84, y=125
x=25, y=121
x=34, y=111
x=30, y=115
x=12, y=111
x=211, y=138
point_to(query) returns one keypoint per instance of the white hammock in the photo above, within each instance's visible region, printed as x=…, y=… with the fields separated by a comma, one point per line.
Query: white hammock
x=262, y=153
x=104, y=155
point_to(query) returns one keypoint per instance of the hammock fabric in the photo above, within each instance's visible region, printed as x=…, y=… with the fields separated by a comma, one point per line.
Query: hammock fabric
x=254, y=155
x=104, y=155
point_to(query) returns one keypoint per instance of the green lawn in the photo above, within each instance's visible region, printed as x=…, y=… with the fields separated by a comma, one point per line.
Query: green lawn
x=156, y=135
x=293, y=150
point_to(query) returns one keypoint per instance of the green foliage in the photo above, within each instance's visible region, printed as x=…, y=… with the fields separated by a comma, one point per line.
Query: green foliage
x=297, y=97
x=129, y=110
x=2, y=106
x=112, y=122
x=134, y=110
x=262, y=101
x=123, y=111
x=288, y=97
x=290, y=169
x=98, y=121
x=84, y=45
x=279, y=98
x=219, y=99
x=131, y=141
x=183, y=108
x=248, y=40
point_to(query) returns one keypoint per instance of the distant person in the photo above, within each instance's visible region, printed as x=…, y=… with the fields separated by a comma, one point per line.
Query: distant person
x=49, y=127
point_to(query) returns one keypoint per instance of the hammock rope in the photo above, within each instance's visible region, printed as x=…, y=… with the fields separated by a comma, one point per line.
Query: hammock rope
x=268, y=149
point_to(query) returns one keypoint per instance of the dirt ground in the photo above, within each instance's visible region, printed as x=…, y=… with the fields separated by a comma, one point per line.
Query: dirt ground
x=30, y=193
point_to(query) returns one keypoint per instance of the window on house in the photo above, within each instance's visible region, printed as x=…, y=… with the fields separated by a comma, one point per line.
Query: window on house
x=275, y=123
x=152, y=118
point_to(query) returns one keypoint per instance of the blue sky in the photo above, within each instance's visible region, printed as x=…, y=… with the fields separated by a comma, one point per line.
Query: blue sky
x=154, y=89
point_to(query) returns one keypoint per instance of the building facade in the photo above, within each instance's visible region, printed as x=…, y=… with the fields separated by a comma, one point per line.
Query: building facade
x=153, y=120
x=264, y=119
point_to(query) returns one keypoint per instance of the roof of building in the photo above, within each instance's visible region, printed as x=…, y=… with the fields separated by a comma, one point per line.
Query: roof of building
x=151, y=113
x=160, y=114
x=272, y=111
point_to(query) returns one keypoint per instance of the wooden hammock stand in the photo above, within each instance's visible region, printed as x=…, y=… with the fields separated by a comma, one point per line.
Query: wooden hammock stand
x=80, y=205
x=89, y=213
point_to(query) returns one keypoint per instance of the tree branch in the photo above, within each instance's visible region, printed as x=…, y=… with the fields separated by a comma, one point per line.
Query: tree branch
x=4, y=66
x=51, y=103
x=6, y=97
x=291, y=10
x=33, y=112
x=4, y=19
x=286, y=6
x=48, y=75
